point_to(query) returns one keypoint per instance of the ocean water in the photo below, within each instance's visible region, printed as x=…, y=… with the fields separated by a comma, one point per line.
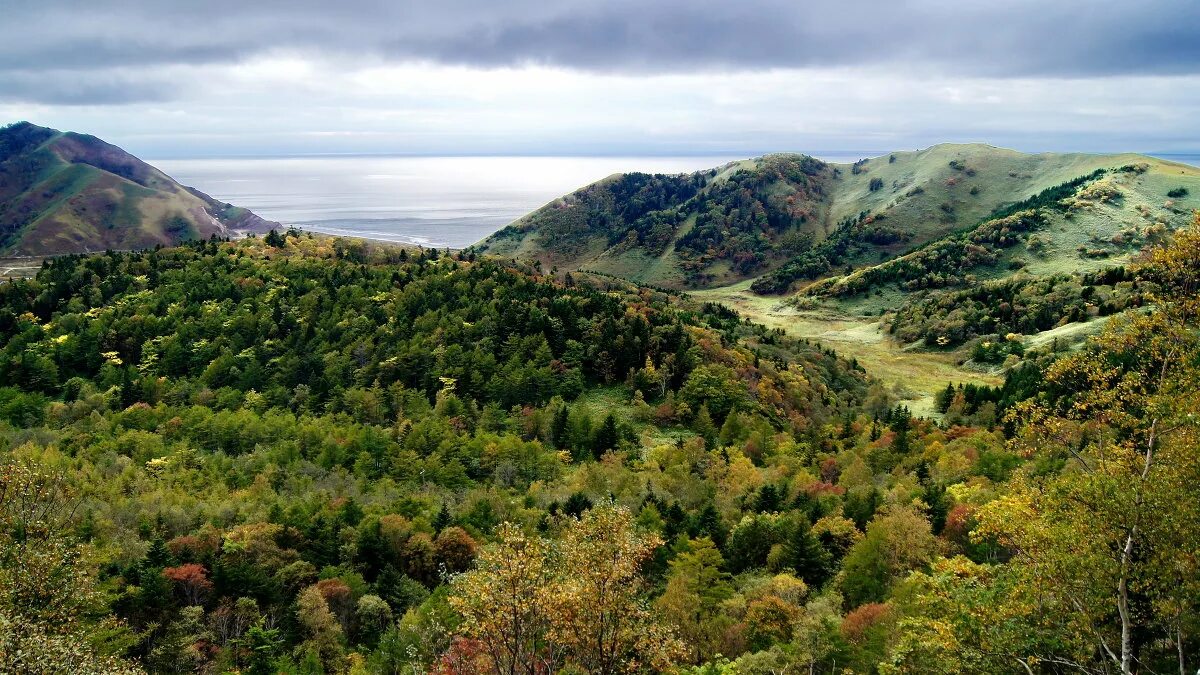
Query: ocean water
x=432, y=201
x=1182, y=158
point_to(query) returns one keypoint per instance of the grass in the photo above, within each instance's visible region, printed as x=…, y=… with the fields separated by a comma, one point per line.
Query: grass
x=19, y=268
x=96, y=210
x=1068, y=335
x=971, y=181
x=916, y=375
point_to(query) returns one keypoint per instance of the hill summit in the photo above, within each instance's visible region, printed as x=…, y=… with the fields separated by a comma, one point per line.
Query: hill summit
x=785, y=220
x=63, y=192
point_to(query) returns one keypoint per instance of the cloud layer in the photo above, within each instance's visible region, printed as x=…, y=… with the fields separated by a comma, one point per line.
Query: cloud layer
x=662, y=75
x=61, y=40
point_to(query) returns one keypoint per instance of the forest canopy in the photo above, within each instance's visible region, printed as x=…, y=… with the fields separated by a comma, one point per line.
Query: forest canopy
x=310, y=455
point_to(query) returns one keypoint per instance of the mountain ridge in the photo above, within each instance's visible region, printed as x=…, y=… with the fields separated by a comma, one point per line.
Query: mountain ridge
x=922, y=195
x=920, y=264
x=65, y=192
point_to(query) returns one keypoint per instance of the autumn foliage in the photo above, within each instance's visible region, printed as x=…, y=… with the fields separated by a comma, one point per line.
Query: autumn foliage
x=191, y=580
x=537, y=605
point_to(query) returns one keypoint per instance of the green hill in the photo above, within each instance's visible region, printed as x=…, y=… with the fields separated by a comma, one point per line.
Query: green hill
x=62, y=192
x=1055, y=258
x=785, y=220
x=680, y=231
x=928, y=266
x=298, y=454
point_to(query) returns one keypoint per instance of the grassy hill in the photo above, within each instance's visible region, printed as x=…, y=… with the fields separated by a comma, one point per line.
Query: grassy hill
x=785, y=220
x=62, y=192
x=927, y=266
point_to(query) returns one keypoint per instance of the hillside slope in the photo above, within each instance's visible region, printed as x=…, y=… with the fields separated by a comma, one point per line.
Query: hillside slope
x=73, y=193
x=945, y=264
x=787, y=219
x=680, y=231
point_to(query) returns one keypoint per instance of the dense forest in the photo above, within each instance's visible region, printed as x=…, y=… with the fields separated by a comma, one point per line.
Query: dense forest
x=1024, y=305
x=633, y=209
x=751, y=217
x=306, y=455
x=853, y=236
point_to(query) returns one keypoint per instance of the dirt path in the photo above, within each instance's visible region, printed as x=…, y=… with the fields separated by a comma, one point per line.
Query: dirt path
x=19, y=267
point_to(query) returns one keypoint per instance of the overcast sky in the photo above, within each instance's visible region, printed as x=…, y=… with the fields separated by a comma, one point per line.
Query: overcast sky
x=253, y=77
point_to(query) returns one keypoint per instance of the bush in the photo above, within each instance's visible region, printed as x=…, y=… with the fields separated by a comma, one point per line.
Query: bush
x=996, y=350
x=22, y=409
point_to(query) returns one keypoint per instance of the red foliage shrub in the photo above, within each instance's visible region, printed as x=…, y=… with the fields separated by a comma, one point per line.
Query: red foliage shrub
x=464, y=657
x=830, y=470
x=338, y=596
x=191, y=580
x=959, y=522
x=863, y=618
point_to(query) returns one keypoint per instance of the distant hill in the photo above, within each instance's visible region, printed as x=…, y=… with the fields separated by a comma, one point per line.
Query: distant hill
x=946, y=264
x=62, y=192
x=787, y=220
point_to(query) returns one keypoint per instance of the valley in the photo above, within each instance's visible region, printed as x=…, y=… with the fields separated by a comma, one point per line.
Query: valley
x=877, y=258
x=599, y=338
x=776, y=416
x=915, y=375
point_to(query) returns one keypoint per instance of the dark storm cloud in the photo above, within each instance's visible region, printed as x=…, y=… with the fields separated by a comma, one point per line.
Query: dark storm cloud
x=93, y=87
x=963, y=37
x=999, y=39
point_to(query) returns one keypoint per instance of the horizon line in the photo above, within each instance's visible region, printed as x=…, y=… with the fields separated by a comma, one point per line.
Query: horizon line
x=567, y=155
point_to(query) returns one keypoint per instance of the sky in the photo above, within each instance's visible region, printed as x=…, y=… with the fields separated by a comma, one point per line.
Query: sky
x=199, y=78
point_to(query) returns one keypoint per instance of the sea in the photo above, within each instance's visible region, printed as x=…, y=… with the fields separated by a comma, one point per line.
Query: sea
x=430, y=201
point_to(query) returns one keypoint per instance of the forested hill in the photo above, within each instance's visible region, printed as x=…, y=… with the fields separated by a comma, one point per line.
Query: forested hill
x=316, y=321
x=679, y=230
x=326, y=409
x=302, y=455
x=786, y=220
x=73, y=193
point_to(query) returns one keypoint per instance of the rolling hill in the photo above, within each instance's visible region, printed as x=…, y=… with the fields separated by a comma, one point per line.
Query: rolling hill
x=785, y=220
x=928, y=266
x=62, y=192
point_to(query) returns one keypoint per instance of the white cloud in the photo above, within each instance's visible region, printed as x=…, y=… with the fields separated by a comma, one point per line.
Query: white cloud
x=283, y=103
x=619, y=76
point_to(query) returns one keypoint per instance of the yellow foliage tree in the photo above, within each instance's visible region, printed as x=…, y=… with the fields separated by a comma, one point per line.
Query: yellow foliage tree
x=505, y=602
x=537, y=605
x=48, y=592
x=1104, y=575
